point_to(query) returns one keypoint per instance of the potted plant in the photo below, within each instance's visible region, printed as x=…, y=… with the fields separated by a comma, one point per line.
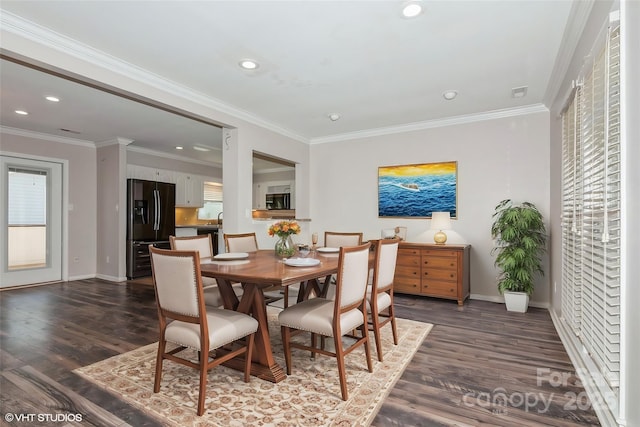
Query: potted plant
x=520, y=242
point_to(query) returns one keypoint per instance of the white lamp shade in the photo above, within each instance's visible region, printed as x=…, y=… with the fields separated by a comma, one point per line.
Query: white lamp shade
x=440, y=221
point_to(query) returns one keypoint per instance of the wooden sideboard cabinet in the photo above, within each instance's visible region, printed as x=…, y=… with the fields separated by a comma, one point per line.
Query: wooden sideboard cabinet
x=433, y=270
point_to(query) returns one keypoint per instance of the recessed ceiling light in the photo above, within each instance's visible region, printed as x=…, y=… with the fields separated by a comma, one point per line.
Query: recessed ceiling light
x=450, y=95
x=411, y=9
x=21, y=112
x=248, y=64
x=52, y=98
x=199, y=148
x=334, y=116
x=179, y=147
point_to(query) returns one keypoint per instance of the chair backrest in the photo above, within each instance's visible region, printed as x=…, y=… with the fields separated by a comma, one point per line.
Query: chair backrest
x=334, y=239
x=243, y=242
x=178, y=284
x=385, y=264
x=201, y=243
x=352, y=277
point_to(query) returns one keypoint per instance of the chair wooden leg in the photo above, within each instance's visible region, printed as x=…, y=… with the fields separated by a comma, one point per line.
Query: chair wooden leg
x=313, y=343
x=367, y=347
x=162, y=344
x=375, y=320
x=394, y=329
x=341, y=368
x=286, y=296
x=203, y=385
x=247, y=358
x=286, y=343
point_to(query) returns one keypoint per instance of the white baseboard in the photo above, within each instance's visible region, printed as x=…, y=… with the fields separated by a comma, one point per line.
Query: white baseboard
x=81, y=277
x=584, y=367
x=111, y=278
x=500, y=300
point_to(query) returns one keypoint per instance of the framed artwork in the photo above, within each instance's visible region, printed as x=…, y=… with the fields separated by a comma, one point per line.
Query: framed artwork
x=415, y=191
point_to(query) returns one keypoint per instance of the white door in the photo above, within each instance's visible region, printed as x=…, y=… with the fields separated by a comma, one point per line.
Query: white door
x=30, y=221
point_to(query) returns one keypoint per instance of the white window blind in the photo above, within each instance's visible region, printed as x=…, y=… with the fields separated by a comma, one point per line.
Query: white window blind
x=27, y=197
x=212, y=192
x=591, y=211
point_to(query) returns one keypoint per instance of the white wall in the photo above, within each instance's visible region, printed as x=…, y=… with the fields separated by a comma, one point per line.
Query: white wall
x=82, y=194
x=497, y=159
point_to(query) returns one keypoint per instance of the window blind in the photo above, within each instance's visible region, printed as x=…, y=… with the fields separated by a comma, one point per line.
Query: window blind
x=212, y=192
x=27, y=193
x=591, y=220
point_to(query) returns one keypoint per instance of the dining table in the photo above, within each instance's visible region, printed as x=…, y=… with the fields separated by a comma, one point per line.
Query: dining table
x=261, y=271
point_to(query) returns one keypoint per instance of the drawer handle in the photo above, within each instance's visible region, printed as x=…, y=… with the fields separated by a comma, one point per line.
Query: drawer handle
x=451, y=275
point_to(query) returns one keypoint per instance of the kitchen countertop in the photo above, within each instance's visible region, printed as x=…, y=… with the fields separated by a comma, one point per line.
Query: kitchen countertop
x=202, y=227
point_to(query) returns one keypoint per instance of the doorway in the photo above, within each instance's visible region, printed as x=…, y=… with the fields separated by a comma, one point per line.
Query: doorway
x=30, y=221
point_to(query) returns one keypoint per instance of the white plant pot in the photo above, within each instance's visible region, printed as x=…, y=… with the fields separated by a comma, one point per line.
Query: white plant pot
x=516, y=301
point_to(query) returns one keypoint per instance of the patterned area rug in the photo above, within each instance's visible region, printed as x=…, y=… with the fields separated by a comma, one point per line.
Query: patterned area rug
x=308, y=397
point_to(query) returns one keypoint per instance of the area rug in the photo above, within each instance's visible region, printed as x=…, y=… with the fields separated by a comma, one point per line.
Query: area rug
x=308, y=397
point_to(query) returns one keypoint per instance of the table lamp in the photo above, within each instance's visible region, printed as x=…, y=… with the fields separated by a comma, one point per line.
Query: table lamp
x=440, y=221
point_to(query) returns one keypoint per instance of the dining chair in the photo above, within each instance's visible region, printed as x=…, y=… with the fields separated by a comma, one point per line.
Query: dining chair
x=242, y=242
x=204, y=246
x=380, y=292
x=185, y=321
x=333, y=239
x=334, y=318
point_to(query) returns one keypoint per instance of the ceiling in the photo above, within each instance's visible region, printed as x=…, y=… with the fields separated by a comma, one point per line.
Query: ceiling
x=361, y=60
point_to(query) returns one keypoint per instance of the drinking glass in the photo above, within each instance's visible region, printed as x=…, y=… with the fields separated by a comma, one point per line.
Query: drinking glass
x=314, y=240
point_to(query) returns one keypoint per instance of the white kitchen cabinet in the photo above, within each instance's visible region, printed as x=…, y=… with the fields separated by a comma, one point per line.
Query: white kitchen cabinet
x=189, y=190
x=150, y=174
x=259, y=196
x=186, y=231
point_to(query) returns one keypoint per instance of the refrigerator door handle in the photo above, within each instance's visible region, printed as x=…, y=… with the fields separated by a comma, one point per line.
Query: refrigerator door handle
x=156, y=209
x=159, y=210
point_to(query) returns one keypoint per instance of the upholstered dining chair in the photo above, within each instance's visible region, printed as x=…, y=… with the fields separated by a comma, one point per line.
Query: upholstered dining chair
x=184, y=320
x=334, y=318
x=380, y=292
x=334, y=239
x=204, y=246
x=242, y=242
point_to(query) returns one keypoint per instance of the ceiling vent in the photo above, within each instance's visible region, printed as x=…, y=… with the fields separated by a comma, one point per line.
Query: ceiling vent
x=519, y=92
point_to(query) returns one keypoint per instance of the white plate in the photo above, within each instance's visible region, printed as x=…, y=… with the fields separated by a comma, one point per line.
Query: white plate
x=302, y=262
x=231, y=256
x=329, y=250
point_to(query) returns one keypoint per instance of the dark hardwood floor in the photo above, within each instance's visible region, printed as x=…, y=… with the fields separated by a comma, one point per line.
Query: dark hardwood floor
x=479, y=366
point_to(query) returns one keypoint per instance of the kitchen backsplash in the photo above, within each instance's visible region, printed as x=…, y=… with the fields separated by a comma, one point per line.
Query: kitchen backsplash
x=189, y=216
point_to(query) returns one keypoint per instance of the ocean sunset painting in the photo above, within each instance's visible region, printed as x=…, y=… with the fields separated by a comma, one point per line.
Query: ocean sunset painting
x=417, y=190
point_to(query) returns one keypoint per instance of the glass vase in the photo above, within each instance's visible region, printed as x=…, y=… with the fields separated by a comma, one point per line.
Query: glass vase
x=284, y=247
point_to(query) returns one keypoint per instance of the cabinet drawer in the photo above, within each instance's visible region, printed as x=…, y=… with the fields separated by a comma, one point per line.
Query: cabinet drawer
x=445, y=289
x=440, y=274
x=439, y=253
x=408, y=286
x=440, y=262
x=408, y=271
x=408, y=252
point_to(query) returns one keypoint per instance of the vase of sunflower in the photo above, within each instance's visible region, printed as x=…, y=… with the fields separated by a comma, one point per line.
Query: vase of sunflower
x=284, y=230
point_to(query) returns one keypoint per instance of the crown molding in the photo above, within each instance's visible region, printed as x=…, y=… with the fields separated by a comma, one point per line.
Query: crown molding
x=50, y=39
x=172, y=156
x=46, y=136
x=116, y=141
x=430, y=124
x=578, y=17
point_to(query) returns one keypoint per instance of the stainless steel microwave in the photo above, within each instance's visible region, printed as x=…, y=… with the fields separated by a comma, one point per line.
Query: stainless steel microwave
x=277, y=201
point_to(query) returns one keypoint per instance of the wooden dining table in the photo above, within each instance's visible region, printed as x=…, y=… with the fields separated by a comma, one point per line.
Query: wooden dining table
x=259, y=272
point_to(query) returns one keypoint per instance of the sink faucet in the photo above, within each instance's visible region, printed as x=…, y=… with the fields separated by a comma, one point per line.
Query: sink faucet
x=220, y=219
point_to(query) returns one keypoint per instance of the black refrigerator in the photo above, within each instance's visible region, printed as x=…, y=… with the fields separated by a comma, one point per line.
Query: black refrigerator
x=151, y=219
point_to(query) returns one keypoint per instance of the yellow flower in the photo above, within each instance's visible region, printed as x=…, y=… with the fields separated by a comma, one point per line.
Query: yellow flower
x=284, y=228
